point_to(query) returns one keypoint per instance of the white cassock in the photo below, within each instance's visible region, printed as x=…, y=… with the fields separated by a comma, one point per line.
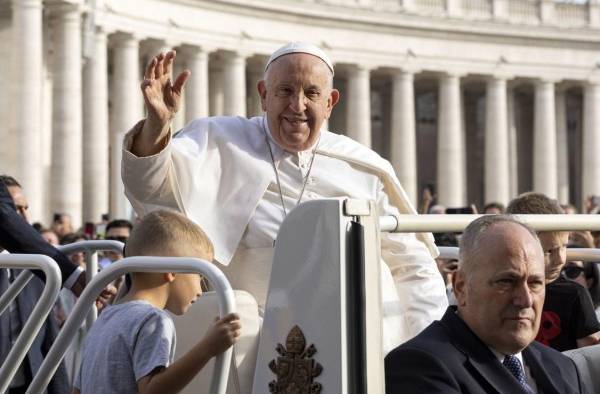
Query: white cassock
x=218, y=171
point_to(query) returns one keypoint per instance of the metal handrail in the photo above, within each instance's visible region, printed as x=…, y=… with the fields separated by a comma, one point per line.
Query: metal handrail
x=91, y=249
x=139, y=264
x=14, y=289
x=38, y=315
x=575, y=254
x=457, y=223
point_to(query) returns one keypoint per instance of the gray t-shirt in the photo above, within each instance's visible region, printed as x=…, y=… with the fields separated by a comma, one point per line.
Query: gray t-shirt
x=126, y=343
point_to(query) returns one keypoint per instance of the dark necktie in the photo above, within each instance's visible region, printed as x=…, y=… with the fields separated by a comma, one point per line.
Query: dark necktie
x=514, y=366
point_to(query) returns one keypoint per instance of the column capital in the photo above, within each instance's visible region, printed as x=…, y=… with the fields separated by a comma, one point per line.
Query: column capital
x=234, y=54
x=26, y=4
x=60, y=7
x=453, y=74
x=192, y=50
x=505, y=76
x=546, y=80
x=406, y=70
x=121, y=38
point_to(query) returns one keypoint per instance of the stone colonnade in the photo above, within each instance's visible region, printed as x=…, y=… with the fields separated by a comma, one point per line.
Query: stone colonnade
x=85, y=178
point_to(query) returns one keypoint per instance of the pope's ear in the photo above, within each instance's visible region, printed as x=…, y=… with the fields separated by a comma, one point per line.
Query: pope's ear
x=262, y=92
x=334, y=98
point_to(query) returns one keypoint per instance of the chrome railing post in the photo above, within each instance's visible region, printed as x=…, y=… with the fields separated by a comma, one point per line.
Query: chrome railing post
x=38, y=315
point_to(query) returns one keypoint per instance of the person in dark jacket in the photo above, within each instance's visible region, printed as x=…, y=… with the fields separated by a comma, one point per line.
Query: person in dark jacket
x=486, y=344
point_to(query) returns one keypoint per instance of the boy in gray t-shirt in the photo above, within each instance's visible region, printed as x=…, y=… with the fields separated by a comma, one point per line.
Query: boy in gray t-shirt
x=130, y=347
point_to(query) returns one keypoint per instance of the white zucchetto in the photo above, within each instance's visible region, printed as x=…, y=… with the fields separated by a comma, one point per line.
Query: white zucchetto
x=301, y=47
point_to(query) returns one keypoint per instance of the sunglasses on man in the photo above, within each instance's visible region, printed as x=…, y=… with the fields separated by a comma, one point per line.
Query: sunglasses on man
x=573, y=271
x=120, y=238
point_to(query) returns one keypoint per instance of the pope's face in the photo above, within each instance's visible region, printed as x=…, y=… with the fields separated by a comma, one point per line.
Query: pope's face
x=502, y=296
x=297, y=97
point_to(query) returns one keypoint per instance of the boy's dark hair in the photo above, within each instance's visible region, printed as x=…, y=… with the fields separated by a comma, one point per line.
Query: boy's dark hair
x=119, y=223
x=531, y=203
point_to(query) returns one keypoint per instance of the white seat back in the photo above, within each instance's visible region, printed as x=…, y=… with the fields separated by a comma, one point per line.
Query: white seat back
x=192, y=326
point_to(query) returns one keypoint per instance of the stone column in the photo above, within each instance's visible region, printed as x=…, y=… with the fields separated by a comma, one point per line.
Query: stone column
x=496, y=175
x=216, y=89
x=512, y=146
x=66, y=170
x=544, y=140
x=234, y=86
x=358, y=109
x=126, y=111
x=27, y=109
x=451, y=148
x=255, y=73
x=593, y=13
x=95, y=131
x=403, y=150
x=591, y=140
x=500, y=9
x=196, y=89
x=178, y=121
x=546, y=11
x=453, y=8
x=562, y=150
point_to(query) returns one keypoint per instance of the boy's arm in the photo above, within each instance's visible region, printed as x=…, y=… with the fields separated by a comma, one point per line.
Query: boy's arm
x=173, y=379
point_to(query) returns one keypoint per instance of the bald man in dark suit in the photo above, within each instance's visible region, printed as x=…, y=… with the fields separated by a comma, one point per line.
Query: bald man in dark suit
x=486, y=344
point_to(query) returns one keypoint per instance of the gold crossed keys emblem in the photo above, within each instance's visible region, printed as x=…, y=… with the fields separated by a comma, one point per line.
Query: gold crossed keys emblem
x=295, y=368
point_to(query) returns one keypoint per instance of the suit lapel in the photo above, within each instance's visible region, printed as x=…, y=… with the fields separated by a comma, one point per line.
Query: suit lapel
x=479, y=357
x=542, y=373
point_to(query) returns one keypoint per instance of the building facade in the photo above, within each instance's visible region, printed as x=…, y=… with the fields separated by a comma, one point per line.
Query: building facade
x=483, y=98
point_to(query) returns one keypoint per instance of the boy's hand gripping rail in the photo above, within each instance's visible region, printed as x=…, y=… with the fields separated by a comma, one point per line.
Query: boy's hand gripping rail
x=139, y=264
x=38, y=315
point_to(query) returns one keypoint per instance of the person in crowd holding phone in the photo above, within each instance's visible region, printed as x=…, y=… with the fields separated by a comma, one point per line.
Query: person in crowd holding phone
x=568, y=319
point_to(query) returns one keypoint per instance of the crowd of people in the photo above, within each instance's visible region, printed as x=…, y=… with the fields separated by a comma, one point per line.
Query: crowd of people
x=494, y=321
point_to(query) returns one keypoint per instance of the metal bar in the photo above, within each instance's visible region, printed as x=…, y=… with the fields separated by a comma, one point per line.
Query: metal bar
x=91, y=268
x=38, y=315
x=91, y=248
x=457, y=223
x=96, y=245
x=14, y=289
x=139, y=264
x=574, y=254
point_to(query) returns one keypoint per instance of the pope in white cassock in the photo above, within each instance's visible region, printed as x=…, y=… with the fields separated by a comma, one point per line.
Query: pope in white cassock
x=238, y=178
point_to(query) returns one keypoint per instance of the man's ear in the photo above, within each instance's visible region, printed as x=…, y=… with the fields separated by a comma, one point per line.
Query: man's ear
x=334, y=98
x=262, y=92
x=169, y=276
x=459, y=285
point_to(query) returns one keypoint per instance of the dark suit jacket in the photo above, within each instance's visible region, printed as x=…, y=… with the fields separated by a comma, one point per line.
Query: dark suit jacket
x=17, y=236
x=447, y=357
x=26, y=301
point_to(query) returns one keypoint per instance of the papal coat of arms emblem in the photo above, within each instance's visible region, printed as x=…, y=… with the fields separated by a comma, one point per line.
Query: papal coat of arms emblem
x=295, y=368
